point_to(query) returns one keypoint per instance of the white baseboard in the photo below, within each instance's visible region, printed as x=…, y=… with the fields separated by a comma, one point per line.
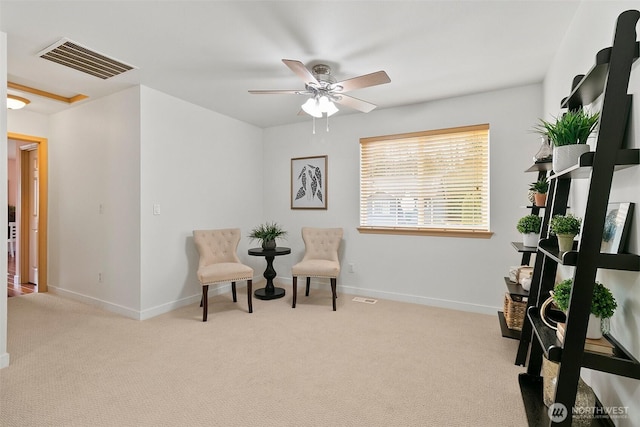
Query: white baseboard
x=170, y=306
x=136, y=314
x=106, y=305
x=434, y=302
x=394, y=296
x=4, y=360
x=315, y=283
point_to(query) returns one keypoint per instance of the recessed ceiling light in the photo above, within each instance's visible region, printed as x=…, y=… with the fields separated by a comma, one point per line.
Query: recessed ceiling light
x=16, y=102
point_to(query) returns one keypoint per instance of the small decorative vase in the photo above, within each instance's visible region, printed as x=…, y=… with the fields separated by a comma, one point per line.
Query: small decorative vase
x=544, y=152
x=530, y=239
x=540, y=199
x=269, y=245
x=567, y=155
x=565, y=242
x=594, y=331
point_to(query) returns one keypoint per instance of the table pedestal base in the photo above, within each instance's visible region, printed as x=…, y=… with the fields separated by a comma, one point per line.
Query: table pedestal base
x=266, y=295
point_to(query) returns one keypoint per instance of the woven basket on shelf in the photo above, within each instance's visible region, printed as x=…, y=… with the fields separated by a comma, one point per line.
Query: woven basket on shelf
x=514, y=312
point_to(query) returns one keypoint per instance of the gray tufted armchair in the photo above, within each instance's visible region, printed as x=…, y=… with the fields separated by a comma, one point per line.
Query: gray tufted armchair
x=219, y=263
x=320, y=258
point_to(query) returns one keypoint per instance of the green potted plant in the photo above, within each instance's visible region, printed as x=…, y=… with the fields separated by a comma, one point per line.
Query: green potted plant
x=603, y=305
x=529, y=227
x=568, y=135
x=267, y=234
x=540, y=189
x=566, y=227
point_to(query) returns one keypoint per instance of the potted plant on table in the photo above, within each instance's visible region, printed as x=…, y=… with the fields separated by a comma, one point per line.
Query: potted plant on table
x=568, y=135
x=267, y=234
x=603, y=304
x=566, y=227
x=540, y=189
x=529, y=227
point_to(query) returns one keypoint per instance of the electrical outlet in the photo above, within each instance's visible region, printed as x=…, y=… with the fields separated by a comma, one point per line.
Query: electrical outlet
x=156, y=209
x=352, y=267
x=99, y=277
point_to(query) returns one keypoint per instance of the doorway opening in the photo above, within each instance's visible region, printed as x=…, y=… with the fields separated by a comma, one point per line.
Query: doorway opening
x=28, y=261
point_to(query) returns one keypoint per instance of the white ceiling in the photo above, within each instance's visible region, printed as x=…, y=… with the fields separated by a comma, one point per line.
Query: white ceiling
x=211, y=53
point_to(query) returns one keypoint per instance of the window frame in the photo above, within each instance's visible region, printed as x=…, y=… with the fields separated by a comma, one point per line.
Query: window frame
x=454, y=231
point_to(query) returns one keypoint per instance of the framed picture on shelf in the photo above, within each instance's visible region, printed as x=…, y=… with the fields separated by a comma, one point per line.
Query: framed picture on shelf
x=309, y=182
x=616, y=227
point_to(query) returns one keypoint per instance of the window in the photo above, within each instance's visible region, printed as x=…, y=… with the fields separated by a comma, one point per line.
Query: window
x=434, y=182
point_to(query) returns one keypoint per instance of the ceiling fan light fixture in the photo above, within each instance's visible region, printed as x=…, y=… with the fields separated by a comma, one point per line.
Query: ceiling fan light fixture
x=16, y=102
x=327, y=106
x=311, y=107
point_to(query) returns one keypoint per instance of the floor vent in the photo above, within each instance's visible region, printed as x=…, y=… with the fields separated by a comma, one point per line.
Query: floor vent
x=365, y=300
x=73, y=55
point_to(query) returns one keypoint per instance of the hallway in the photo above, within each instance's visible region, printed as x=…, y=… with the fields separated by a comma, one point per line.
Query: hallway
x=15, y=290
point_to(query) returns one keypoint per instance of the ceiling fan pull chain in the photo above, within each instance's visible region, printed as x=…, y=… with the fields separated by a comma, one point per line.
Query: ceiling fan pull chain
x=314, y=125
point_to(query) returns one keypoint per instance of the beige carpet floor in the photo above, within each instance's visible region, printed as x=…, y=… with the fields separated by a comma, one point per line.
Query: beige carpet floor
x=383, y=364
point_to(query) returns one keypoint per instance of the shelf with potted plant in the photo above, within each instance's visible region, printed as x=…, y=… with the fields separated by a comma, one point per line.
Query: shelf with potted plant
x=621, y=261
x=625, y=157
x=609, y=78
x=602, y=306
x=539, y=189
x=621, y=363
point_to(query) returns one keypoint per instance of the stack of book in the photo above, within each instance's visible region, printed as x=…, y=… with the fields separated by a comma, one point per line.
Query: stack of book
x=601, y=346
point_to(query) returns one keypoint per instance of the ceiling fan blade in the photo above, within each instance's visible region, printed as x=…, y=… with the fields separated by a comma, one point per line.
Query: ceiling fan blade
x=373, y=79
x=301, y=71
x=292, y=92
x=355, y=103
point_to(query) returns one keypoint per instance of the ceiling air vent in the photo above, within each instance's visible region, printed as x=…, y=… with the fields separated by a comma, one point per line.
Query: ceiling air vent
x=73, y=55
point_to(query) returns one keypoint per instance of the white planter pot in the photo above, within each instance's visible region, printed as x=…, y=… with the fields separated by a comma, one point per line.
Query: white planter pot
x=594, y=330
x=565, y=242
x=567, y=155
x=530, y=239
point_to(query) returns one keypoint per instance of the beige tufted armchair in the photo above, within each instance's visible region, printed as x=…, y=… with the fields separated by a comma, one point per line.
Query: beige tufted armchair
x=219, y=263
x=320, y=258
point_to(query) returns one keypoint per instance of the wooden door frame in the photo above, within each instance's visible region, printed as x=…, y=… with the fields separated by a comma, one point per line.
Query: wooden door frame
x=43, y=181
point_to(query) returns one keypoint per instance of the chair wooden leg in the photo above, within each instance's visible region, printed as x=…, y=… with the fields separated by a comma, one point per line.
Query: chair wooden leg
x=205, y=302
x=250, y=295
x=295, y=291
x=333, y=292
x=308, y=285
x=233, y=291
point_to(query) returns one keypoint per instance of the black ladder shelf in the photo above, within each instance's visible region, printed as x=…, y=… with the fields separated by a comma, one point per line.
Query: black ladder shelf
x=608, y=77
x=516, y=290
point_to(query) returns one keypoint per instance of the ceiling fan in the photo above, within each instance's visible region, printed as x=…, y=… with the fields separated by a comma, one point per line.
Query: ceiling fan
x=323, y=89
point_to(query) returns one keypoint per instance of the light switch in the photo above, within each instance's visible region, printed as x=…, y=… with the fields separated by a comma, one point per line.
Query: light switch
x=156, y=209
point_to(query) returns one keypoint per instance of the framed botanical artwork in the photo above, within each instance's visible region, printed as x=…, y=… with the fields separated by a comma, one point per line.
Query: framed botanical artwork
x=616, y=227
x=309, y=182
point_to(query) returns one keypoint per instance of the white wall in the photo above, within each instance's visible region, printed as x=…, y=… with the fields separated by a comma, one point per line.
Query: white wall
x=205, y=171
x=94, y=201
x=111, y=160
x=591, y=30
x=461, y=273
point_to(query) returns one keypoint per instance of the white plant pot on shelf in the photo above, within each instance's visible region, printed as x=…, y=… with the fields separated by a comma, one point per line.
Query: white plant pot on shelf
x=566, y=156
x=565, y=242
x=594, y=331
x=530, y=239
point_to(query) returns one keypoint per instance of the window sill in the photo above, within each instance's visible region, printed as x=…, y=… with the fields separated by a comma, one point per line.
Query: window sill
x=443, y=232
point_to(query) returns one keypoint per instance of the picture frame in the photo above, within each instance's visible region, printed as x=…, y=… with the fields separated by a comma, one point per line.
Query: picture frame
x=616, y=227
x=309, y=182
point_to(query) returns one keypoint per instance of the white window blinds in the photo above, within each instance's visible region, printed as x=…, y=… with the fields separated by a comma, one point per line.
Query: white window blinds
x=426, y=180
